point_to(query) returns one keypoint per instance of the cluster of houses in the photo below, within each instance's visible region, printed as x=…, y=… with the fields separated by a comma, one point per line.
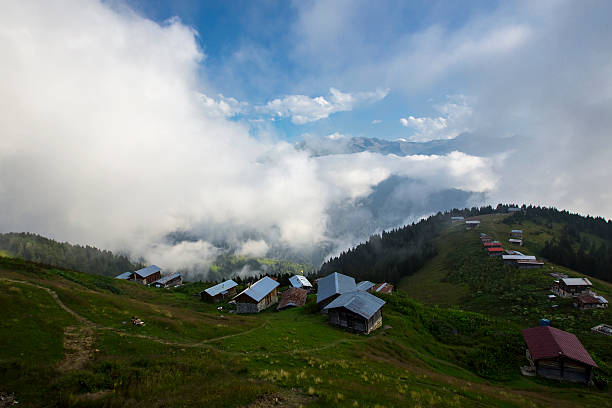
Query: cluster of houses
x=509, y=257
x=151, y=275
x=580, y=290
x=349, y=305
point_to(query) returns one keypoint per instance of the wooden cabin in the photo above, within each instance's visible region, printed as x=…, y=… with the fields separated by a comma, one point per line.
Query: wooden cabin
x=292, y=297
x=495, y=251
x=125, y=276
x=170, y=281
x=471, y=224
x=148, y=275
x=300, y=281
x=366, y=286
x=558, y=355
x=572, y=287
x=219, y=292
x=382, y=288
x=457, y=219
x=332, y=286
x=529, y=263
x=586, y=302
x=357, y=311
x=257, y=297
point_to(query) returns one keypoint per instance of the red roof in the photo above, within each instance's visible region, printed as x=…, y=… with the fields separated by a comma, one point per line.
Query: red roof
x=588, y=299
x=495, y=249
x=548, y=342
x=492, y=244
x=293, y=297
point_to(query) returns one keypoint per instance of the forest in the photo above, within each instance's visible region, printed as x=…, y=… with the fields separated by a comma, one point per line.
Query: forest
x=583, y=245
x=36, y=248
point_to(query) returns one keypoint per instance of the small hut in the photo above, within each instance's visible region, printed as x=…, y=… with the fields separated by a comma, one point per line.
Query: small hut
x=292, y=297
x=219, y=292
x=572, y=287
x=332, y=286
x=356, y=311
x=257, y=297
x=176, y=279
x=558, y=355
x=148, y=275
x=366, y=286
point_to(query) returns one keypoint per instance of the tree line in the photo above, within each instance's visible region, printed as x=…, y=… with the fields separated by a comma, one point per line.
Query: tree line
x=36, y=248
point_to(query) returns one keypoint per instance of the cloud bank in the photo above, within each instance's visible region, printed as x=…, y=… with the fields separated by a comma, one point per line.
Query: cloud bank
x=108, y=139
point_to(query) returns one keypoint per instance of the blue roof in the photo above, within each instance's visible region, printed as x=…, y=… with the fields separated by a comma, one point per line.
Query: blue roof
x=260, y=289
x=299, y=281
x=221, y=287
x=333, y=284
x=124, y=275
x=365, y=285
x=359, y=302
x=166, y=279
x=149, y=270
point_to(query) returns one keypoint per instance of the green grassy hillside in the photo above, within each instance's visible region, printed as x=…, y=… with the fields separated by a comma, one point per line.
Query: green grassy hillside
x=63, y=342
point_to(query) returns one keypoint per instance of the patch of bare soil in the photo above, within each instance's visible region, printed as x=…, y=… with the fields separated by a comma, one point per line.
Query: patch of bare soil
x=78, y=347
x=289, y=399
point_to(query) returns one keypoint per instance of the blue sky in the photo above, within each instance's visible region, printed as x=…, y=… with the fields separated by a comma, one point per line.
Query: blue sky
x=273, y=64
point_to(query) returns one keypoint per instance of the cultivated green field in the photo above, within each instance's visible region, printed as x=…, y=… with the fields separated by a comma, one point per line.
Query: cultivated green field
x=63, y=342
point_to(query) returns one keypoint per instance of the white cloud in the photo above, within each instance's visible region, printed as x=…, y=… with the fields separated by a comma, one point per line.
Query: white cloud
x=108, y=140
x=376, y=121
x=257, y=248
x=303, y=109
x=223, y=107
x=456, y=121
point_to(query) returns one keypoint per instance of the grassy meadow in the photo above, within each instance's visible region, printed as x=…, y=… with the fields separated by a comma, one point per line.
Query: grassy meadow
x=63, y=342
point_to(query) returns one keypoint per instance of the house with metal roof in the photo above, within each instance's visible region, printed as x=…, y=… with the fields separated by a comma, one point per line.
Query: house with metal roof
x=586, y=302
x=292, y=297
x=125, y=275
x=257, y=297
x=516, y=241
x=572, y=287
x=332, y=286
x=356, y=311
x=457, y=219
x=219, y=292
x=516, y=233
x=300, y=281
x=529, y=263
x=471, y=224
x=495, y=251
x=169, y=281
x=511, y=259
x=365, y=286
x=558, y=355
x=382, y=288
x=148, y=275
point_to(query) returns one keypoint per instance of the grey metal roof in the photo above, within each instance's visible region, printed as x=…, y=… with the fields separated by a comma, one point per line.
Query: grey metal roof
x=166, y=279
x=577, y=282
x=335, y=283
x=149, y=270
x=365, y=285
x=521, y=231
x=299, y=281
x=124, y=275
x=260, y=289
x=517, y=257
x=360, y=302
x=221, y=287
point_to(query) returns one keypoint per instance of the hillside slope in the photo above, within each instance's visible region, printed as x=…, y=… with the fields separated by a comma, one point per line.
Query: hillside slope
x=63, y=342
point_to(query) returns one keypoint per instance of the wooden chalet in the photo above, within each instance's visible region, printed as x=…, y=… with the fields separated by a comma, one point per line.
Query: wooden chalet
x=586, y=302
x=572, y=287
x=365, y=286
x=495, y=251
x=357, y=311
x=257, y=297
x=170, y=281
x=126, y=276
x=332, y=286
x=471, y=224
x=300, y=281
x=558, y=355
x=512, y=257
x=147, y=275
x=516, y=241
x=516, y=234
x=492, y=244
x=529, y=263
x=292, y=297
x=458, y=218
x=219, y=292
x=382, y=288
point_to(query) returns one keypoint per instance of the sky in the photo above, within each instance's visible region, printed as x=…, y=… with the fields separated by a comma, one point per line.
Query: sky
x=124, y=121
